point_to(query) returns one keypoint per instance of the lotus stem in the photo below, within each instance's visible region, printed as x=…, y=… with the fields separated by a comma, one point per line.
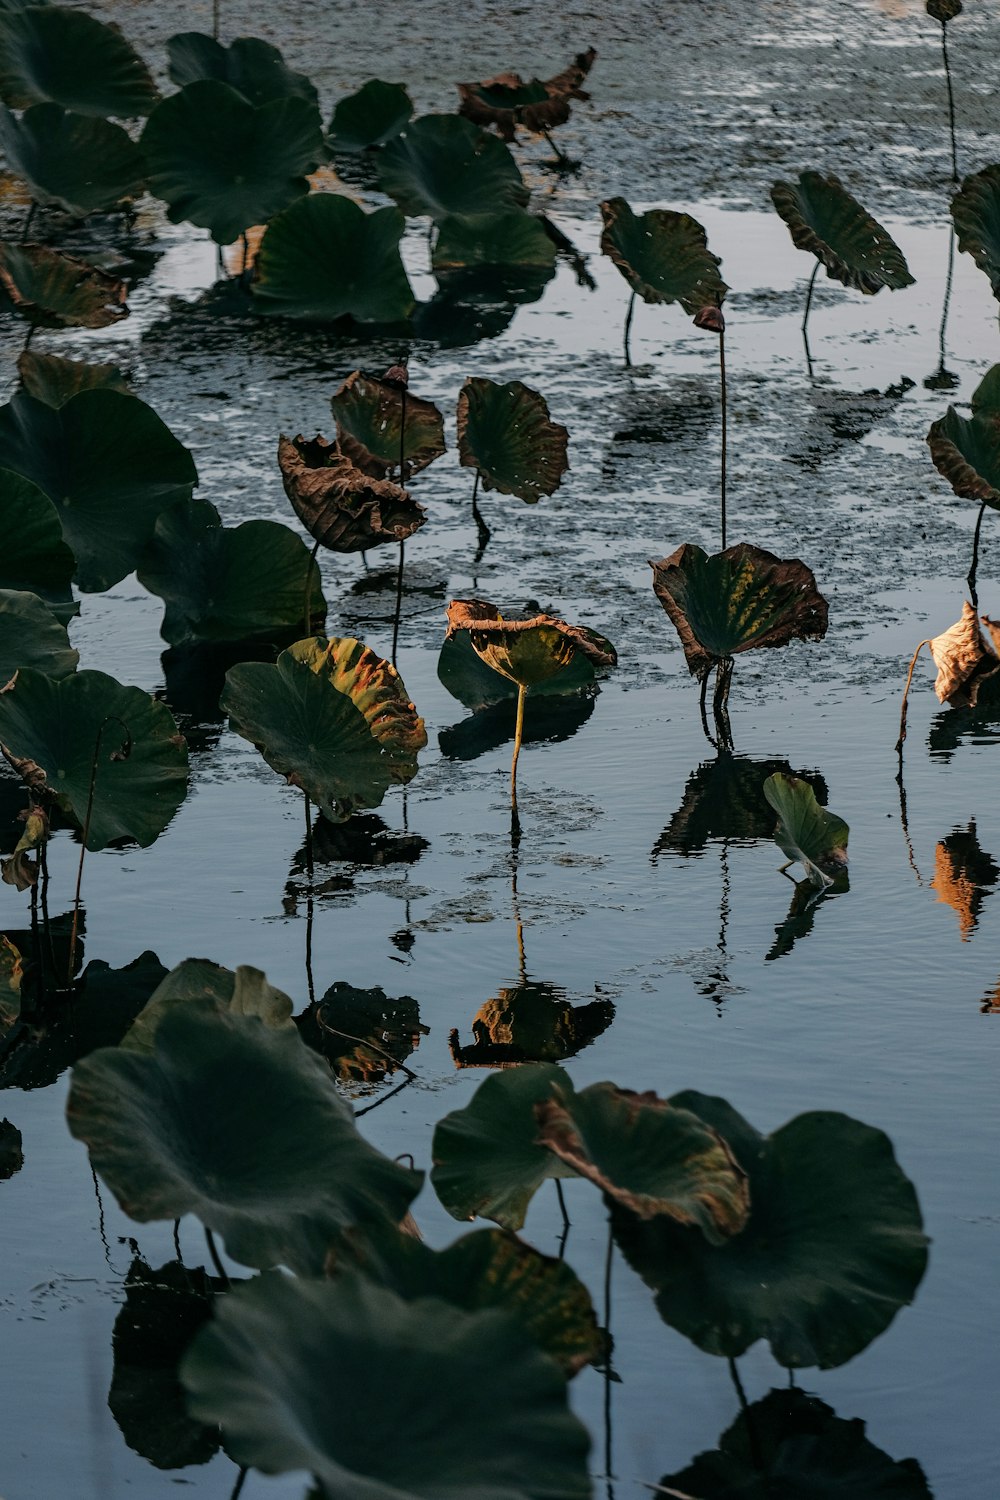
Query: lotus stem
x=120, y=754
x=722, y=383
x=216, y=1262
x=215, y=20
x=482, y=529
x=246, y=255
x=522, y=693
x=628, y=329
x=562, y=1203
x=309, y=835
x=177, y=1241
x=902, y=711
x=31, y=335
x=975, y=558
x=805, y=315
x=402, y=480
x=904, y=823
x=562, y=160
x=608, y=1262
x=28, y=221
x=951, y=101
x=241, y=1480
x=701, y=705
x=307, y=603
x=756, y=1456
x=720, y=703
x=399, y=602
x=946, y=304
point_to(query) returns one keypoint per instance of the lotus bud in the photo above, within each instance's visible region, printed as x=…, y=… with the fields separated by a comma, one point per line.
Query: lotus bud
x=710, y=317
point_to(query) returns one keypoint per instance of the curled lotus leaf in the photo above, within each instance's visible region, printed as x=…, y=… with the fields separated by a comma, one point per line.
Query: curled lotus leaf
x=525, y=651
x=333, y=718
x=649, y=1155
x=507, y=100
x=251, y=164
x=324, y=258
x=32, y=636
x=663, y=255
x=375, y=114
x=21, y=871
x=443, y=165
x=476, y=685
x=500, y=241
x=966, y=450
x=245, y=992
x=34, y=555
x=807, y=832
x=833, y=1247
x=506, y=433
x=964, y=875
x=530, y=1022
x=736, y=600
x=53, y=290
x=73, y=162
x=300, y=1372
x=944, y=10
x=370, y=414
x=340, y=505
x=825, y=219
x=56, y=54
x=255, y=69
x=52, y=379
x=964, y=660
x=213, y=1122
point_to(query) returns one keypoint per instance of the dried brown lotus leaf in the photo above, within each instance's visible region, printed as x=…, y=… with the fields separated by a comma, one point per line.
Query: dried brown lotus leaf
x=525, y=651
x=508, y=100
x=342, y=507
x=963, y=660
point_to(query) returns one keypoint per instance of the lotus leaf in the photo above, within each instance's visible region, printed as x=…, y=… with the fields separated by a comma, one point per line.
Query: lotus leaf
x=964, y=875
x=736, y=600
x=57, y=726
x=72, y=162
x=52, y=379
x=476, y=685
x=487, y=1157
x=964, y=661
x=966, y=450
x=807, y=832
x=445, y=166
x=324, y=258
x=331, y=716
x=530, y=1022
x=363, y=1034
x=31, y=636
x=300, y=1373
x=251, y=164
x=108, y=464
x=370, y=416
x=34, y=556
x=239, y=1123
x=377, y=113
x=486, y=1269
x=824, y=218
x=724, y=799
x=944, y=10
x=255, y=69
x=501, y=240
x=507, y=101
x=53, y=290
x=228, y=583
x=664, y=256
x=504, y=431
x=790, y=1444
x=52, y=53
x=525, y=651
x=21, y=871
x=339, y=504
x=244, y=993
x=833, y=1248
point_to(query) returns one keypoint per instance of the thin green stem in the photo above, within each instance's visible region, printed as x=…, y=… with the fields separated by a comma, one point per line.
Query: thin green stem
x=119, y=755
x=725, y=427
x=951, y=101
x=628, y=329
x=522, y=693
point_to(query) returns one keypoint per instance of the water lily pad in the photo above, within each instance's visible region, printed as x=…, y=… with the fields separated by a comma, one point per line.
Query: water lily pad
x=736, y=600
x=244, y=993
x=443, y=165
x=52, y=379
x=34, y=555
x=507, y=100
x=324, y=258
x=299, y=1374
x=663, y=255
x=370, y=413
x=331, y=716
x=31, y=636
x=377, y=113
x=251, y=164
x=506, y=433
x=56, y=725
x=476, y=685
x=53, y=290
x=228, y=583
x=108, y=464
x=526, y=652
x=825, y=219
x=240, y=1124
x=255, y=69
x=807, y=832
x=833, y=1248
x=340, y=505
x=71, y=161
x=966, y=450
x=530, y=1022
x=53, y=53
x=501, y=240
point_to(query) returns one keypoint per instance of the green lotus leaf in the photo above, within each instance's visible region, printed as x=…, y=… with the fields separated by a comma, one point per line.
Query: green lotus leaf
x=487, y=1158
x=807, y=832
x=162, y=1312
x=525, y=651
x=790, y=1443
x=507, y=101
x=370, y=414
x=11, y=1150
x=52, y=379
x=501, y=240
x=70, y=161
x=663, y=255
x=724, y=799
x=475, y=684
x=363, y=1034
x=55, y=54
x=251, y=163
x=530, y=1022
x=142, y=765
x=966, y=450
x=944, y=10
x=53, y=290
x=506, y=433
x=255, y=69
x=647, y=1154
x=833, y=1248
x=245, y=993
x=324, y=258
x=736, y=600
x=240, y=1124
x=31, y=636
x=331, y=716
x=824, y=218
x=299, y=1373
x=340, y=505
x=228, y=583
x=34, y=555
x=486, y=1269
x=108, y=464
x=443, y=166
x=377, y=113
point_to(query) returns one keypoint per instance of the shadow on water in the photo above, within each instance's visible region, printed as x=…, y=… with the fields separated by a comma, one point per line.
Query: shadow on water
x=531, y=1021
x=547, y=719
x=842, y=417
x=365, y=1035
x=724, y=799
x=806, y=900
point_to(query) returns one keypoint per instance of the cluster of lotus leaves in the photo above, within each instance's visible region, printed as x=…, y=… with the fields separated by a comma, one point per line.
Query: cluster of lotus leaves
x=324, y=258
x=250, y=66
x=663, y=255
x=826, y=220
x=526, y=652
x=506, y=434
x=340, y=505
x=444, y=166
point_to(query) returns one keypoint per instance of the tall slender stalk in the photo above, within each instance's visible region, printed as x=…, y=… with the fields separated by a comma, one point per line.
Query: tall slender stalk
x=628, y=329
x=951, y=101
x=215, y=20
x=307, y=602
x=608, y=1263
x=756, y=1457
x=522, y=693
x=975, y=558
x=120, y=754
x=720, y=703
x=402, y=480
x=805, y=316
x=725, y=428
x=482, y=529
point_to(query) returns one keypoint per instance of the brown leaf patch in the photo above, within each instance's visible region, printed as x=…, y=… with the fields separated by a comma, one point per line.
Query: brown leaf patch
x=964, y=874
x=340, y=506
x=65, y=291
x=499, y=101
x=484, y=619
x=963, y=660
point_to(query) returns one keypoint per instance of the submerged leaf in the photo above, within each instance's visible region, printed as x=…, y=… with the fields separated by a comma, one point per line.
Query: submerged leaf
x=53, y=290
x=664, y=256
x=244, y=993
x=507, y=101
x=370, y=414
x=443, y=165
x=525, y=651
x=324, y=258
x=255, y=69
x=966, y=450
x=963, y=659
x=340, y=505
x=377, y=113
x=506, y=433
x=964, y=874
x=807, y=832
x=824, y=218
x=57, y=54
x=70, y=161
